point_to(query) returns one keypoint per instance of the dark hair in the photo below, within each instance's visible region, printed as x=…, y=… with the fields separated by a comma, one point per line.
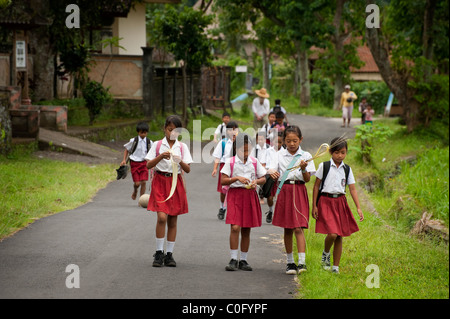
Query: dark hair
x=232, y=124
x=292, y=129
x=260, y=133
x=271, y=113
x=338, y=146
x=277, y=102
x=173, y=119
x=142, y=126
x=242, y=139
x=279, y=115
x=226, y=114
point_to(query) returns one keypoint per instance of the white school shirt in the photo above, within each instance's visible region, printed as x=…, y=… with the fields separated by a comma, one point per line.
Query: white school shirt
x=246, y=170
x=165, y=165
x=262, y=151
x=335, y=181
x=227, y=153
x=271, y=157
x=283, y=160
x=220, y=132
x=260, y=109
x=141, y=149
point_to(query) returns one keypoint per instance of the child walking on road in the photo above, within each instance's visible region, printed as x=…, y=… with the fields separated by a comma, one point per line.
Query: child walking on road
x=224, y=150
x=242, y=173
x=292, y=207
x=330, y=209
x=168, y=156
x=135, y=151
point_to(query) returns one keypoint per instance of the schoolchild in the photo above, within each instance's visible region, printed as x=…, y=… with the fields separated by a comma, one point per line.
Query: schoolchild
x=223, y=151
x=220, y=132
x=163, y=155
x=135, y=151
x=270, y=133
x=242, y=173
x=292, y=206
x=330, y=209
x=280, y=124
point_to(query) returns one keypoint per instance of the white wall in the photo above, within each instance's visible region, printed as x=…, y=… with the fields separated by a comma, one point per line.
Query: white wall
x=132, y=30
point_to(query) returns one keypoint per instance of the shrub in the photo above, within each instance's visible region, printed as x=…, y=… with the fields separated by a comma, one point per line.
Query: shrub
x=96, y=97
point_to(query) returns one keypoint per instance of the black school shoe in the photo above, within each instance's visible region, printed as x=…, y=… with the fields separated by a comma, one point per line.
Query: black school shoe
x=169, y=261
x=269, y=217
x=291, y=269
x=232, y=265
x=221, y=213
x=158, y=260
x=243, y=265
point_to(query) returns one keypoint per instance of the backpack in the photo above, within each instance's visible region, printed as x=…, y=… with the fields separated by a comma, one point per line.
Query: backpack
x=232, y=161
x=134, y=146
x=326, y=169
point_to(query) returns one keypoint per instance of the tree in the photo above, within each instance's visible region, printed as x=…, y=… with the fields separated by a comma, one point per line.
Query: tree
x=183, y=33
x=411, y=51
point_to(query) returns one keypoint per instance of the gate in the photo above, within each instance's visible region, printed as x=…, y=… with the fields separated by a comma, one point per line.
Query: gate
x=216, y=87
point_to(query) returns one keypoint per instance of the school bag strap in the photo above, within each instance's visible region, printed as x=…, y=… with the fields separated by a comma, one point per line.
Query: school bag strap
x=326, y=169
x=158, y=146
x=134, y=146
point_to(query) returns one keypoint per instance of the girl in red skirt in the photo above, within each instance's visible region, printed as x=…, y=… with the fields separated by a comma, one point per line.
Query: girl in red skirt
x=242, y=173
x=167, y=210
x=330, y=209
x=292, y=206
x=223, y=151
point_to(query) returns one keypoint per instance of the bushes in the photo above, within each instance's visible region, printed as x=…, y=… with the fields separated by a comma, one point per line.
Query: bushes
x=96, y=97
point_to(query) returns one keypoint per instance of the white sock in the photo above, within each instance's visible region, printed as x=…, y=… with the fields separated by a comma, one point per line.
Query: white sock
x=336, y=268
x=290, y=258
x=169, y=246
x=271, y=209
x=326, y=253
x=301, y=258
x=221, y=204
x=233, y=253
x=160, y=244
x=244, y=255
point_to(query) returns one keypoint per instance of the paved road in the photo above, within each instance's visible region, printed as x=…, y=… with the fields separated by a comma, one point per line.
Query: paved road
x=111, y=240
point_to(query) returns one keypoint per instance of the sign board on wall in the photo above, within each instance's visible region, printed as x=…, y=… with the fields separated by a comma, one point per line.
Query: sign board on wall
x=241, y=68
x=21, y=56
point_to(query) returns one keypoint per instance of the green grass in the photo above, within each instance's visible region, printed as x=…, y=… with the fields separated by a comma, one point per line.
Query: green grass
x=31, y=188
x=410, y=267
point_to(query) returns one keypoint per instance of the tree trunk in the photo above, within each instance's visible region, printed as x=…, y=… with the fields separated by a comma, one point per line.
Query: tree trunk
x=338, y=85
x=43, y=66
x=265, y=62
x=305, y=92
x=185, y=119
x=338, y=42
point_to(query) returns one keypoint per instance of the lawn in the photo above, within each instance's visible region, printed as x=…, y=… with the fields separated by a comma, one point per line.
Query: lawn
x=32, y=188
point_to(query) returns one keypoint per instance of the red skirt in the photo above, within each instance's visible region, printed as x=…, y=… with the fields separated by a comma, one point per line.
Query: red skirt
x=273, y=191
x=243, y=207
x=139, y=171
x=161, y=186
x=219, y=186
x=288, y=215
x=335, y=217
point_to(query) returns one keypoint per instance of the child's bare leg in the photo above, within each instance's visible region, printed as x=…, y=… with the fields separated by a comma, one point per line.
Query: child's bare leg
x=288, y=240
x=301, y=242
x=222, y=198
x=234, y=237
x=172, y=228
x=161, y=225
x=143, y=185
x=329, y=241
x=135, y=189
x=270, y=201
x=245, y=239
x=337, y=251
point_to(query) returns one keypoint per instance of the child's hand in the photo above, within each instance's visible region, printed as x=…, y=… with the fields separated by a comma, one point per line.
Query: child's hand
x=315, y=212
x=243, y=180
x=275, y=175
x=214, y=172
x=177, y=159
x=123, y=163
x=303, y=165
x=165, y=155
x=361, y=215
x=252, y=184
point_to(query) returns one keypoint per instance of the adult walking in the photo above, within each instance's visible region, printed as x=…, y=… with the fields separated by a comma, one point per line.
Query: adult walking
x=260, y=108
x=347, y=98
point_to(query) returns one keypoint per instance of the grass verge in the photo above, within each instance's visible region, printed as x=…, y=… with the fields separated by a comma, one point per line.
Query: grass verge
x=32, y=188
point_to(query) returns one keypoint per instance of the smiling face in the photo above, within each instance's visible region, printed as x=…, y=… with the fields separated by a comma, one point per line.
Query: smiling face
x=292, y=142
x=171, y=132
